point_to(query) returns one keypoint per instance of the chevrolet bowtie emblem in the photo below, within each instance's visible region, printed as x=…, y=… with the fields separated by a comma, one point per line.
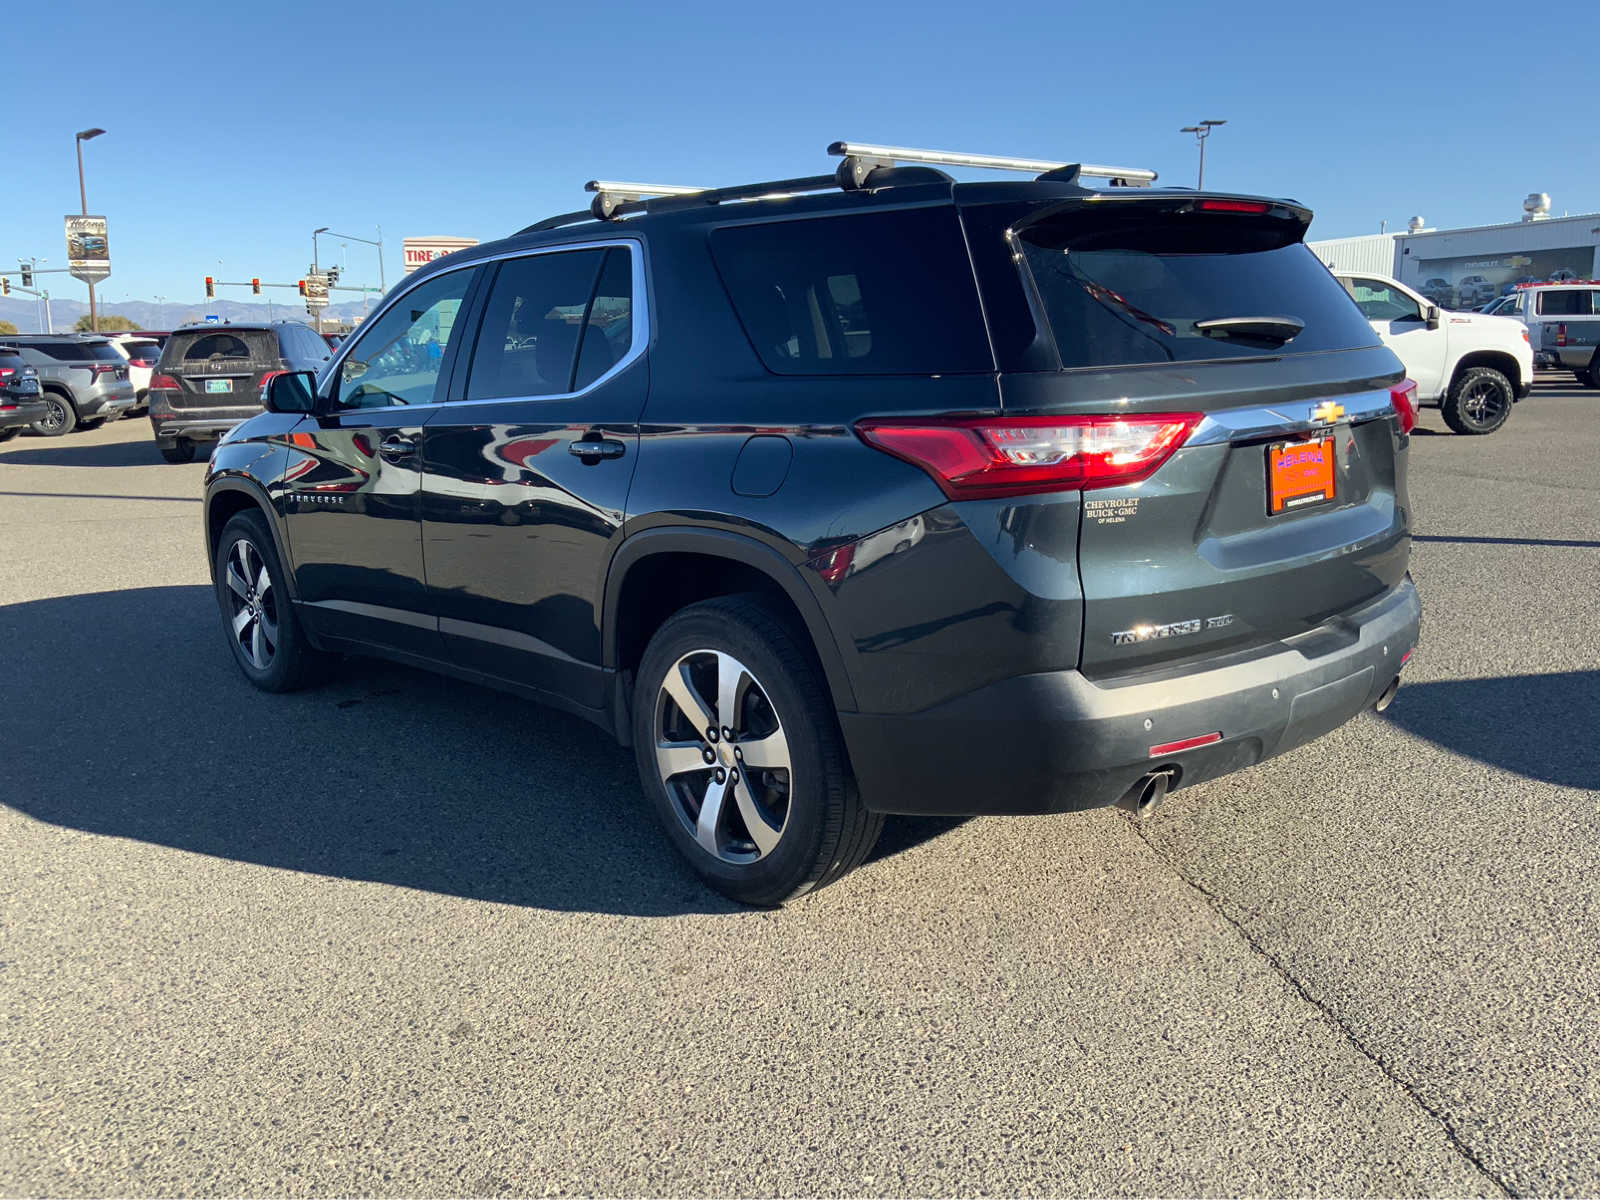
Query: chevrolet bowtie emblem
x=1327, y=412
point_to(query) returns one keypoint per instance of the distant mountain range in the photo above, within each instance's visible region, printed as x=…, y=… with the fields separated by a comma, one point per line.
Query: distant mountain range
x=147, y=314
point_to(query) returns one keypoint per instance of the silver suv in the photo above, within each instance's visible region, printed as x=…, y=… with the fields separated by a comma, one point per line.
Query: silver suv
x=83, y=379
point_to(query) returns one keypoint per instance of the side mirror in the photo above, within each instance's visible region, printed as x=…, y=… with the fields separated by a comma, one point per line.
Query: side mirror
x=1433, y=316
x=291, y=392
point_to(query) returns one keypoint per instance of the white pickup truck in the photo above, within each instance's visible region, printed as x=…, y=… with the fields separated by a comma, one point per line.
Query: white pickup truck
x=1474, y=366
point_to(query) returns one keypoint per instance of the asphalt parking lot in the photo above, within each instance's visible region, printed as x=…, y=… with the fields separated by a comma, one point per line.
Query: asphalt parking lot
x=402, y=935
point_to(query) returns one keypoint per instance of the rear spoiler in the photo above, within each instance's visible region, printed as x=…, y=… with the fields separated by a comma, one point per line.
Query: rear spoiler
x=1105, y=212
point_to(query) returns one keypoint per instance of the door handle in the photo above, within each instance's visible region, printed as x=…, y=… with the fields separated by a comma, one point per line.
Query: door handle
x=594, y=449
x=397, y=448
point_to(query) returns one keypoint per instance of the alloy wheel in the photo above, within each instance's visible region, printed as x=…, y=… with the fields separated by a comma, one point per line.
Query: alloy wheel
x=55, y=416
x=253, y=604
x=724, y=761
x=1484, y=401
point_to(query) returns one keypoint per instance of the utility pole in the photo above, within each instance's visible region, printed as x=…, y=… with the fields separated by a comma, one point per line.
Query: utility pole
x=316, y=270
x=1201, y=132
x=83, y=204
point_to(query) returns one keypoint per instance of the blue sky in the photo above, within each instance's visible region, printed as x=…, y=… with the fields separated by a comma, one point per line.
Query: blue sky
x=231, y=137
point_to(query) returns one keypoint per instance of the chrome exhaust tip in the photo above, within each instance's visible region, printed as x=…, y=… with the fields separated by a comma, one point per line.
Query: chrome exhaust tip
x=1148, y=792
x=1387, y=698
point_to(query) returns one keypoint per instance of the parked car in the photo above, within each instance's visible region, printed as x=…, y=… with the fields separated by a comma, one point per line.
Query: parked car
x=1563, y=321
x=142, y=353
x=1440, y=292
x=1505, y=306
x=82, y=377
x=1122, y=533
x=1475, y=367
x=209, y=378
x=21, y=402
x=1472, y=290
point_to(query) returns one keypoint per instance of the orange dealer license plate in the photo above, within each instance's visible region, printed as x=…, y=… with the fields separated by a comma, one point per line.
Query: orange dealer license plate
x=1299, y=475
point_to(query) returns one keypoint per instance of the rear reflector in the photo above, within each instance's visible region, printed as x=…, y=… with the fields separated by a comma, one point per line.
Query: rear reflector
x=1403, y=399
x=1238, y=206
x=1205, y=739
x=975, y=458
x=1406, y=657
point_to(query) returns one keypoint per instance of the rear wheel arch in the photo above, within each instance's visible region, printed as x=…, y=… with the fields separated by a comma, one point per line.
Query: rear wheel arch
x=659, y=572
x=229, y=497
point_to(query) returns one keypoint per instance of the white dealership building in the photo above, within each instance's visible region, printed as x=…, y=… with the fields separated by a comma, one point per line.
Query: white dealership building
x=1462, y=268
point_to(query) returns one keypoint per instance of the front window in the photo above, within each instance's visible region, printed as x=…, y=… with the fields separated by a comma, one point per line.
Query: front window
x=398, y=359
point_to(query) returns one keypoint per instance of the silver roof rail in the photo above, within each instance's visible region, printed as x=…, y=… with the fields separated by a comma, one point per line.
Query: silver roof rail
x=610, y=194
x=861, y=158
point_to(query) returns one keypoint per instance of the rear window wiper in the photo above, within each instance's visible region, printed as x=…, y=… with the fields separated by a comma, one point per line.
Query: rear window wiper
x=1269, y=329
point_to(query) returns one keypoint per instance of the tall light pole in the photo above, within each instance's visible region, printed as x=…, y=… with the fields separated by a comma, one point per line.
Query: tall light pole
x=382, y=286
x=316, y=269
x=83, y=136
x=1201, y=132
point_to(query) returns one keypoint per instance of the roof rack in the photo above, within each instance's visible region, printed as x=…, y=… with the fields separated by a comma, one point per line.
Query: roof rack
x=864, y=167
x=861, y=158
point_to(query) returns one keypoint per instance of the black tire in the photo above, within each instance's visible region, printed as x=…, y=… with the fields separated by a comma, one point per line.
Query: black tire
x=61, y=420
x=181, y=451
x=1479, y=401
x=1591, y=377
x=287, y=660
x=7, y=434
x=825, y=831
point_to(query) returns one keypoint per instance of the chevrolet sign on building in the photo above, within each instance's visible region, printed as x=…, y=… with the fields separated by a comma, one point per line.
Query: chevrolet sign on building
x=420, y=251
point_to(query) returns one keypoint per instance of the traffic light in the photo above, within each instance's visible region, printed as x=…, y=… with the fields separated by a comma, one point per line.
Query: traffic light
x=302, y=287
x=255, y=286
x=5, y=286
x=211, y=288
x=27, y=274
x=333, y=276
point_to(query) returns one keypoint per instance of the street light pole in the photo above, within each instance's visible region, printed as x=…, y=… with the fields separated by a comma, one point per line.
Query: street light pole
x=316, y=314
x=1201, y=132
x=382, y=286
x=83, y=205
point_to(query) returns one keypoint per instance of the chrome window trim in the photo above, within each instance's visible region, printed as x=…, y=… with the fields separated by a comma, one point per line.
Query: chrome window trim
x=1232, y=424
x=641, y=324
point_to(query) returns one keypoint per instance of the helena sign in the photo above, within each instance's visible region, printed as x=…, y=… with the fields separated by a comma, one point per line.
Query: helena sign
x=88, y=252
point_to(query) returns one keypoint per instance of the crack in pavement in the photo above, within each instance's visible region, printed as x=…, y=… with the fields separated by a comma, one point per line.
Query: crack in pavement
x=1276, y=964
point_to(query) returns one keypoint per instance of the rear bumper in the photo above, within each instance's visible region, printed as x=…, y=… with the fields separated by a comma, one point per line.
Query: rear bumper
x=1058, y=741
x=194, y=429
x=18, y=412
x=105, y=408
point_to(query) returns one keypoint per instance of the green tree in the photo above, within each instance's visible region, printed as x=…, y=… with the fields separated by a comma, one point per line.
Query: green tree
x=7, y=329
x=108, y=324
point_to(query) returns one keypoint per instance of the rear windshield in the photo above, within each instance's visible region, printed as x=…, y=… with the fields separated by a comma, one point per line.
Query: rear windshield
x=78, y=351
x=142, y=349
x=1133, y=293
x=1568, y=302
x=192, y=348
x=886, y=293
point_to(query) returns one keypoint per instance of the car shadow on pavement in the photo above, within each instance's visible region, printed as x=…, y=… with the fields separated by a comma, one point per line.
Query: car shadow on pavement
x=138, y=725
x=69, y=452
x=1540, y=726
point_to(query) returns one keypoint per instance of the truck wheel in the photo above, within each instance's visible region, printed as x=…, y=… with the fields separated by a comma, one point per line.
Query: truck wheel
x=61, y=420
x=1480, y=400
x=181, y=451
x=740, y=754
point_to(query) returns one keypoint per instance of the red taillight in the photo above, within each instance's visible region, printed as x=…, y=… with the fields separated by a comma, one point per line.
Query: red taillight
x=1403, y=399
x=99, y=369
x=1238, y=206
x=974, y=458
x=159, y=383
x=7, y=372
x=1561, y=334
x=1205, y=739
x=143, y=362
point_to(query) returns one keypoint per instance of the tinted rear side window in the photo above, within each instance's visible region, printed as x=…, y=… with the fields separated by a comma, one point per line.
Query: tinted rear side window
x=1132, y=292
x=1568, y=302
x=866, y=294
x=78, y=351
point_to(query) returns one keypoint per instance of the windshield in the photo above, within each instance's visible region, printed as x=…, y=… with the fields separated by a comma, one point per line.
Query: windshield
x=1170, y=292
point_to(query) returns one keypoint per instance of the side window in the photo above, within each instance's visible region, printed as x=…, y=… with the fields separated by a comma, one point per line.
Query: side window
x=533, y=322
x=398, y=359
x=866, y=294
x=608, y=332
x=1380, y=302
x=1565, y=302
